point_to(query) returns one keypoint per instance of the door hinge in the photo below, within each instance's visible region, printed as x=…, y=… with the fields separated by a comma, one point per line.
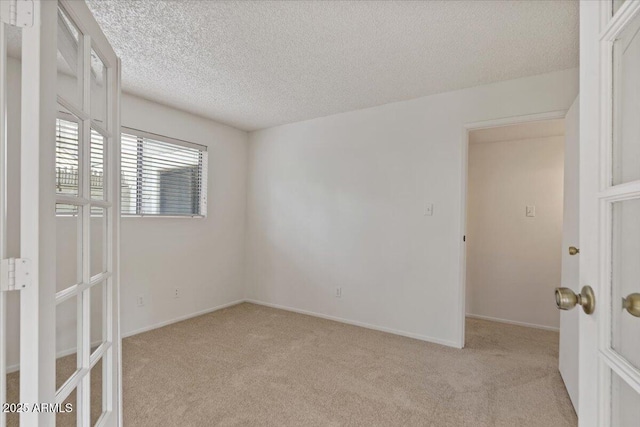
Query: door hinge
x=18, y=13
x=15, y=274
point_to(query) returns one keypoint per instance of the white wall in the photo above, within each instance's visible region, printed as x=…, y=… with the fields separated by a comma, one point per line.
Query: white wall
x=513, y=261
x=339, y=200
x=202, y=257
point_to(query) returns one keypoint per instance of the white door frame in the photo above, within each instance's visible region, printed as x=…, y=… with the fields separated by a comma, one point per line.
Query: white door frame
x=464, y=149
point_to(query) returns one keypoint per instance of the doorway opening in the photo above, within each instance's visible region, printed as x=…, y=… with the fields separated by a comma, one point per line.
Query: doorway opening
x=514, y=219
x=521, y=198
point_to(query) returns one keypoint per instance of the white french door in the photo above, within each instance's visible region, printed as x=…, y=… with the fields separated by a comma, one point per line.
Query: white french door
x=69, y=217
x=610, y=212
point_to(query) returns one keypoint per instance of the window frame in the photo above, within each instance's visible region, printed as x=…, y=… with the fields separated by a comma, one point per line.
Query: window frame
x=175, y=141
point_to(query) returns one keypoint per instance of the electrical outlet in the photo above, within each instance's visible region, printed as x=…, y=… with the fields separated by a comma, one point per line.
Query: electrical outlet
x=176, y=293
x=530, y=211
x=338, y=292
x=428, y=209
x=140, y=301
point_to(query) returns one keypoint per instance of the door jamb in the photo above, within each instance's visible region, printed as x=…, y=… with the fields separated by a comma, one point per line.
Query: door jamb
x=462, y=230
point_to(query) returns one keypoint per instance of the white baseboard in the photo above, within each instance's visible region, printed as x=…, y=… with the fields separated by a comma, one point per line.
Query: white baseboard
x=512, y=322
x=357, y=323
x=181, y=318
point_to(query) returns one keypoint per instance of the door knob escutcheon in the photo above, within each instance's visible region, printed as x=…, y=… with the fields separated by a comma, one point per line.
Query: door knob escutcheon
x=632, y=304
x=566, y=299
x=573, y=250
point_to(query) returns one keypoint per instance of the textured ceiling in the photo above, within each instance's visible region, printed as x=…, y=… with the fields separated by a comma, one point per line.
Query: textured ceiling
x=259, y=64
x=536, y=129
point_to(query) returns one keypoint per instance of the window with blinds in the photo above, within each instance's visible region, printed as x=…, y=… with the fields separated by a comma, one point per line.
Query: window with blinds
x=159, y=176
x=162, y=176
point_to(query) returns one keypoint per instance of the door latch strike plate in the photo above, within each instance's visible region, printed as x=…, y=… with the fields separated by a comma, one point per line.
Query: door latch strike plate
x=15, y=274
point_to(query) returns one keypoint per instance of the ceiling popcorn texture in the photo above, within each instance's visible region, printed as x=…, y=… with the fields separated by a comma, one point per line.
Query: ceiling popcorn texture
x=254, y=65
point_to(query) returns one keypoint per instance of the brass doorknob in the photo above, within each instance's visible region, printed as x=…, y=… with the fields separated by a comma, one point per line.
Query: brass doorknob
x=573, y=250
x=632, y=304
x=566, y=299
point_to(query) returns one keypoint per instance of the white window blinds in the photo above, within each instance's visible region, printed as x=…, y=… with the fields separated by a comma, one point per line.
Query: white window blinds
x=161, y=176
x=67, y=157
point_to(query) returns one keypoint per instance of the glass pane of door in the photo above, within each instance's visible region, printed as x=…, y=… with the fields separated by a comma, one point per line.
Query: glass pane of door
x=98, y=312
x=625, y=278
x=68, y=246
x=625, y=403
x=66, y=340
x=97, y=394
x=615, y=5
x=98, y=90
x=98, y=234
x=97, y=165
x=626, y=105
x=70, y=61
x=68, y=131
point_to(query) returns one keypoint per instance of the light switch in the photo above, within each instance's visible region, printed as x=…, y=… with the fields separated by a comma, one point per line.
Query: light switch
x=428, y=209
x=531, y=211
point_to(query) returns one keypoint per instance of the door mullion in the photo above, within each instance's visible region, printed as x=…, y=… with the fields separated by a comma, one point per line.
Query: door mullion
x=79, y=228
x=84, y=400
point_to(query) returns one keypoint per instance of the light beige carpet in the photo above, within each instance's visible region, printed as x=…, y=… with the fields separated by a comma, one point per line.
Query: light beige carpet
x=253, y=365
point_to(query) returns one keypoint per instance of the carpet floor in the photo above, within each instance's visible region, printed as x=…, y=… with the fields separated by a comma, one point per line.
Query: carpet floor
x=258, y=366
